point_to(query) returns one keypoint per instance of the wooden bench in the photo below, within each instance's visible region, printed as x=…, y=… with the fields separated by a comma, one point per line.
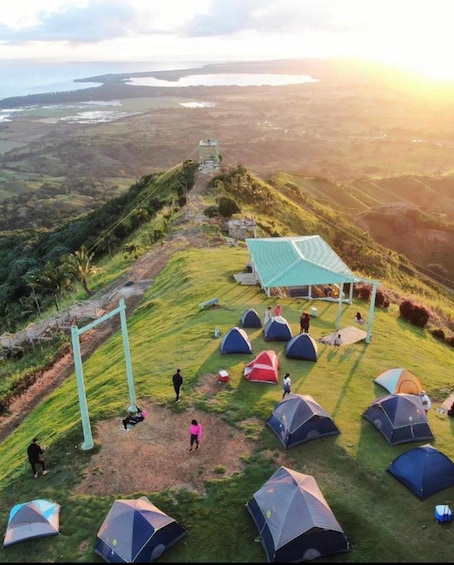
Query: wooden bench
x=208, y=303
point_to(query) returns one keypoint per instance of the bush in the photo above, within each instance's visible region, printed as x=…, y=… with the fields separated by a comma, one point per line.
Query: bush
x=438, y=334
x=211, y=212
x=413, y=313
x=450, y=341
x=227, y=207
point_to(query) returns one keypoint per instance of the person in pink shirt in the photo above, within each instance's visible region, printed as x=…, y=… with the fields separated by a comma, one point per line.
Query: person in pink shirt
x=277, y=310
x=195, y=432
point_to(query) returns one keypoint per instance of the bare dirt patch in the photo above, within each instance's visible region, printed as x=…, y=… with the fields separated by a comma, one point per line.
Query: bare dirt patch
x=154, y=455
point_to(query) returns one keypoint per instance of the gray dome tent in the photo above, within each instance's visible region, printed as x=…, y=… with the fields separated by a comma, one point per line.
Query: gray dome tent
x=299, y=418
x=399, y=418
x=294, y=520
x=136, y=531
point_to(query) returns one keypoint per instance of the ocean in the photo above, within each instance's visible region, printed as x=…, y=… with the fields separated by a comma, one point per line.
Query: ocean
x=22, y=78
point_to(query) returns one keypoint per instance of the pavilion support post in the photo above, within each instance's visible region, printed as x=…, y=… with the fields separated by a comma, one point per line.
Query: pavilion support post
x=339, y=306
x=371, y=312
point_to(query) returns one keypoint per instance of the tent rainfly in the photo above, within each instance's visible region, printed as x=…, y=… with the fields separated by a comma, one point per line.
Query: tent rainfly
x=398, y=380
x=251, y=319
x=264, y=368
x=235, y=340
x=302, y=346
x=424, y=470
x=298, y=418
x=34, y=519
x=399, y=418
x=136, y=531
x=294, y=520
x=277, y=329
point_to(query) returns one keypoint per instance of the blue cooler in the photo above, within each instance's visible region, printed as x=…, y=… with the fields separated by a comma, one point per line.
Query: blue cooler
x=443, y=513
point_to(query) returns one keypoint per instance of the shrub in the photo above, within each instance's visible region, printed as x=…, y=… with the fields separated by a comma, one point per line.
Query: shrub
x=227, y=207
x=413, y=313
x=211, y=212
x=438, y=334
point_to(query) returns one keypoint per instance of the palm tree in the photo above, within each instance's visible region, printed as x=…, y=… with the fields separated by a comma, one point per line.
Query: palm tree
x=52, y=280
x=79, y=265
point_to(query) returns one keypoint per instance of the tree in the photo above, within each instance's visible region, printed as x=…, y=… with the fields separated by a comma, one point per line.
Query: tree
x=52, y=280
x=79, y=265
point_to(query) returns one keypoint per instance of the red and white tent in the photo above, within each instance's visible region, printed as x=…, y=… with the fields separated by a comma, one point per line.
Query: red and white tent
x=264, y=368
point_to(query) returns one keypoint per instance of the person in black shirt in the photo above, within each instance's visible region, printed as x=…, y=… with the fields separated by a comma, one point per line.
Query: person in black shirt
x=34, y=453
x=177, y=380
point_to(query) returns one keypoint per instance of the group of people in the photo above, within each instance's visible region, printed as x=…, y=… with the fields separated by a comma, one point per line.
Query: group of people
x=270, y=314
x=305, y=319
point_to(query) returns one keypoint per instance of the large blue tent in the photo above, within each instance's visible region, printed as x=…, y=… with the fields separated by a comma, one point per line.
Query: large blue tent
x=424, y=470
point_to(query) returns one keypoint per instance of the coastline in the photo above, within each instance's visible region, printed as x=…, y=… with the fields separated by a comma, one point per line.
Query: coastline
x=110, y=85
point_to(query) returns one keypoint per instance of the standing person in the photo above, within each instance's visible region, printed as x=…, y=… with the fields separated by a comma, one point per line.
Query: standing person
x=195, y=435
x=177, y=380
x=426, y=403
x=34, y=453
x=305, y=322
x=268, y=315
x=287, y=385
x=278, y=310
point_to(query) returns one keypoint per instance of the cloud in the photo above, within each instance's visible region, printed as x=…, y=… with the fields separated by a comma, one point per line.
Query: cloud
x=269, y=16
x=98, y=21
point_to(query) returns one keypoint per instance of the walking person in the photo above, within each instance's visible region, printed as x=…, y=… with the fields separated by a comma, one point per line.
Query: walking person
x=195, y=435
x=287, y=385
x=35, y=457
x=177, y=380
x=278, y=310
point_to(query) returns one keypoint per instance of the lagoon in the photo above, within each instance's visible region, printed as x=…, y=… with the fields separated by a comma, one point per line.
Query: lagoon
x=224, y=79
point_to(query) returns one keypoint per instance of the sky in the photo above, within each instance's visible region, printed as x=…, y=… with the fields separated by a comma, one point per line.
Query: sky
x=416, y=34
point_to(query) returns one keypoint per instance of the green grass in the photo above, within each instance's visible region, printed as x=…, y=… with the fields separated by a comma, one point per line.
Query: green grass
x=383, y=520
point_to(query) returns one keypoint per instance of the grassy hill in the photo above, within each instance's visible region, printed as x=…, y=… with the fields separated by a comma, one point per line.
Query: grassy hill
x=378, y=514
x=411, y=215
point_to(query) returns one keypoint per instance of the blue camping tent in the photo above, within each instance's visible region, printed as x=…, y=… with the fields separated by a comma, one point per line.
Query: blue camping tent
x=424, y=470
x=251, y=319
x=136, y=531
x=235, y=340
x=302, y=346
x=277, y=329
